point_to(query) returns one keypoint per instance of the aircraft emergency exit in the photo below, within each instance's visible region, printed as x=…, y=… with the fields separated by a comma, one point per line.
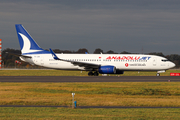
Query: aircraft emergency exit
x=93, y=63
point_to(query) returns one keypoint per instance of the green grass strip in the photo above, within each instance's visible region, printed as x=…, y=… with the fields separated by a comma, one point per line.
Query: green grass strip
x=157, y=94
x=88, y=114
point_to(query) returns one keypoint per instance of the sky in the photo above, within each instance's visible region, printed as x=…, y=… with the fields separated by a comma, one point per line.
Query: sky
x=136, y=26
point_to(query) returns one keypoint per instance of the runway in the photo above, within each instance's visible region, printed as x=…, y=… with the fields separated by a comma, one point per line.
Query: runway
x=89, y=79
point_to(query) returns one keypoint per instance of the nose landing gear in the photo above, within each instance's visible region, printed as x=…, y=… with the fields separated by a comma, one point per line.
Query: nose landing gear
x=158, y=74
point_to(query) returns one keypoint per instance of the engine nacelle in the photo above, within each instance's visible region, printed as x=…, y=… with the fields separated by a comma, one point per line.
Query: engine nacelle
x=107, y=69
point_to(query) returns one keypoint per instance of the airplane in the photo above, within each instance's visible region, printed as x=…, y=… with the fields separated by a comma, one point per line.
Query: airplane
x=95, y=64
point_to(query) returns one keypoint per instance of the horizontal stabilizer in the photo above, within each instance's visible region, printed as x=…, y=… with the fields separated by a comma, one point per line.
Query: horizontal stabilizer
x=19, y=55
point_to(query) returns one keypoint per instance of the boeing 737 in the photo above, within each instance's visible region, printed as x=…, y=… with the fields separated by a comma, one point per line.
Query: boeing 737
x=93, y=63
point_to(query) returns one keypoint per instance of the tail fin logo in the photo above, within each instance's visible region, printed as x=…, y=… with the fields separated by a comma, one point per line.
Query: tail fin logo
x=26, y=45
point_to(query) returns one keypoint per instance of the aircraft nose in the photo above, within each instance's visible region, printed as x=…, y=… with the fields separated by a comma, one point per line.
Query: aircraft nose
x=172, y=64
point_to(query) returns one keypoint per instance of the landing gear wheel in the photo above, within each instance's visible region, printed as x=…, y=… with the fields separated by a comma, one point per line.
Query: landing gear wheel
x=96, y=73
x=90, y=73
x=157, y=74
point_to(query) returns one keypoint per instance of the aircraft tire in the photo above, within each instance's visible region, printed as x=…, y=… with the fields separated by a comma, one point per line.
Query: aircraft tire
x=96, y=74
x=90, y=73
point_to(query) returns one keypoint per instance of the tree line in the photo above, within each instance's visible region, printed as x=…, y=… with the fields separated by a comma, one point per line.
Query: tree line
x=9, y=60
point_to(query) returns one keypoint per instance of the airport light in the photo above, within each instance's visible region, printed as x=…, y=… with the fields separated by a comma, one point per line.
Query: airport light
x=73, y=100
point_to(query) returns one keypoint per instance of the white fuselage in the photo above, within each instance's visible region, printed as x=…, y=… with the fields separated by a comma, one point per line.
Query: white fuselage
x=125, y=62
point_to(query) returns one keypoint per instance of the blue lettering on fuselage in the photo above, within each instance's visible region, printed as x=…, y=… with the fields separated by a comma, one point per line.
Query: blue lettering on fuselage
x=145, y=58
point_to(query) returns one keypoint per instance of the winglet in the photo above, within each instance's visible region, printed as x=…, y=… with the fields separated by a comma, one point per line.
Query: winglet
x=54, y=55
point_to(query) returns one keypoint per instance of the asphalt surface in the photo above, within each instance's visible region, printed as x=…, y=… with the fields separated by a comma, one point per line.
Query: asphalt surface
x=90, y=79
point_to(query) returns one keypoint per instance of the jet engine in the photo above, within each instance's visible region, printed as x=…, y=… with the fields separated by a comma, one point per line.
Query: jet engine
x=109, y=70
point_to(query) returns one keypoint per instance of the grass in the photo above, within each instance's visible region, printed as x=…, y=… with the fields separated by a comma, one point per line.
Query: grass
x=165, y=94
x=92, y=94
x=28, y=72
x=88, y=114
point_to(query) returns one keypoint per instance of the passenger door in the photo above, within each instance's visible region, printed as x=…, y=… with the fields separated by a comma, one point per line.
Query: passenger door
x=154, y=61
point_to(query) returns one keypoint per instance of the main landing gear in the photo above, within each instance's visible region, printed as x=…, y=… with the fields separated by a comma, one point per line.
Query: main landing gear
x=90, y=73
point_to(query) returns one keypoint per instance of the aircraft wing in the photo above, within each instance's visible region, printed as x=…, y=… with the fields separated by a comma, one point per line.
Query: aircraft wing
x=85, y=65
x=77, y=63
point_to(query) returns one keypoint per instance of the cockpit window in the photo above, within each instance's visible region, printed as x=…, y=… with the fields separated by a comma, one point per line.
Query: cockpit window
x=164, y=60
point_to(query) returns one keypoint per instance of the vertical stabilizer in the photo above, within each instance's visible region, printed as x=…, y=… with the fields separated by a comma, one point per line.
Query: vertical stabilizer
x=27, y=44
